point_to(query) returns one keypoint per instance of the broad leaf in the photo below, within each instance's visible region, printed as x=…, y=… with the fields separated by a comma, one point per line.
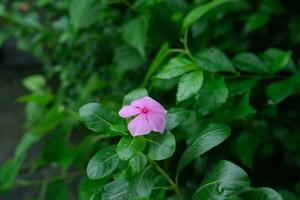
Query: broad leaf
x=116, y=190
x=263, y=193
x=212, y=94
x=227, y=180
x=135, y=94
x=176, y=67
x=214, y=60
x=198, y=12
x=127, y=58
x=103, y=163
x=129, y=146
x=137, y=163
x=249, y=62
x=161, y=146
x=243, y=108
x=88, y=187
x=189, y=85
x=141, y=185
x=278, y=91
x=175, y=117
x=241, y=86
x=210, y=137
x=101, y=120
x=135, y=33
x=34, y=83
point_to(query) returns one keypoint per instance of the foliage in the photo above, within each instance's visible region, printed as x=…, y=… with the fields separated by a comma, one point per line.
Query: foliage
x=226, y=70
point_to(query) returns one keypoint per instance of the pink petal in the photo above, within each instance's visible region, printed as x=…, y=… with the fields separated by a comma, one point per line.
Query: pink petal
x=128, y=111
x=139, y=126
x=157, y=121
x=150, y=104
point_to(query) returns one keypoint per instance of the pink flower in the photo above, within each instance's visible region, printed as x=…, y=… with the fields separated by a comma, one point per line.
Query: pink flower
x=150, y=116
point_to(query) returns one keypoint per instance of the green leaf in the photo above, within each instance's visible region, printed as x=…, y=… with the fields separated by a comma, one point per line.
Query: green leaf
x=100, y=120
x=161, y=146
x=249, y=62
x=141, y=186
x=27, y=140
x=198, y=12
x=82, y=13
x=278, y=91
x=241, y=86
x=102, y=163
x=243, y=108
x=9, y=171
x=263, y=193
x=135, y=33
x=225, y=181
x=41, y=98
x=88, y=187
x=245, y=147
x=272, y=6
x=159, y=58
x=137, y=163
x=116, y=190
x=276, y=59
x=135, y=94
x=214, y=60
x=175, y=117
x=130, y=146
x=210, y=137
x=176, y=67
x=127, y=58
x=212, y=94
x=256, y=21
x=34, y=83
x=189, y=85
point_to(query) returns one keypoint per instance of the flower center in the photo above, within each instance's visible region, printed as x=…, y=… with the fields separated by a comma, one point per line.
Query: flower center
x=145, y=110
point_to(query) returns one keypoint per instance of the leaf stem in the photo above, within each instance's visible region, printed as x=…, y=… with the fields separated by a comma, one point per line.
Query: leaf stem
x=167, y=177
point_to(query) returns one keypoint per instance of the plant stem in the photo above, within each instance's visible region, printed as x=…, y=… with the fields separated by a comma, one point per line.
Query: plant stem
x=167, y=177
x=185, y=44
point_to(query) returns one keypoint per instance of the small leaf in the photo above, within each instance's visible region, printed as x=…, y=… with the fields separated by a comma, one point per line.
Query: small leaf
x=135, y=94
x=175, y=117
x=82, y=13
x=100, y=120
x=249, y=62
x=227, y=180
x=102, y=163
x=159, y=58
x=127, y=58
x=176, y=67
x=141, y=185
x=212, y=94
x=278, y=91
x=34, y=83
x=210, y=137
x=245, y=147
x=116, y=190
x=161, y=146
x=189, y=85
x=137, y=163
x=130, y=146
x=214, y=60
x=242, y=109
x=276, y=59
x=198, y=12
x=272, y=6
x=88, y=187
x=256, y=21
x=135, y=33
x=263, y=193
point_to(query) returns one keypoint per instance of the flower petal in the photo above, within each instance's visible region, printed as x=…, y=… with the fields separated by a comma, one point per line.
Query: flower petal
x=150, y=104
x=139, y=126
x=157, y=121
x=128, y=111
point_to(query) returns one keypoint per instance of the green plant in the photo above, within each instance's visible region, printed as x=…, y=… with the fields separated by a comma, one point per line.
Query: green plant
x=224, y=69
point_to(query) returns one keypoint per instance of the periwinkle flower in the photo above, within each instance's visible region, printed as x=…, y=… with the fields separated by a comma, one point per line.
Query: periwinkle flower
x=150, y=116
